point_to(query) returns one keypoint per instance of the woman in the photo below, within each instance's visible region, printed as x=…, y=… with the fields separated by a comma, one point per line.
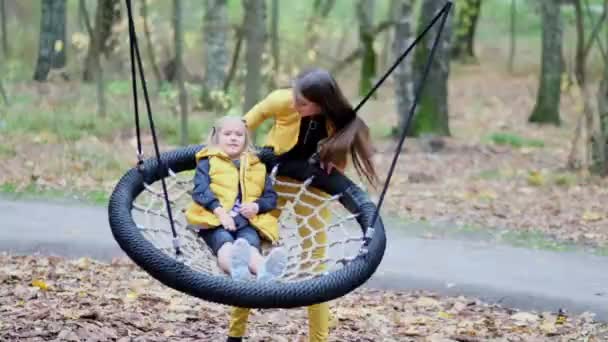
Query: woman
x=312, y=116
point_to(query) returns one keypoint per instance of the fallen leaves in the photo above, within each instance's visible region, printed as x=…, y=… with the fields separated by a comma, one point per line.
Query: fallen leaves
x=119, y=302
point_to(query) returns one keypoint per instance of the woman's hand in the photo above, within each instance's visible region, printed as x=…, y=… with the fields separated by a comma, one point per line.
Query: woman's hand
x=225, y=219
x=249, y=210
x=328, y=167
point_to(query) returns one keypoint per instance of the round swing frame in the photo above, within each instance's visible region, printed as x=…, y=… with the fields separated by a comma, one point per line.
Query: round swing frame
x=174, y=273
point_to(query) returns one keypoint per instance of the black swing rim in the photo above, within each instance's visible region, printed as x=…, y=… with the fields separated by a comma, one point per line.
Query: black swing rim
x=222, y=289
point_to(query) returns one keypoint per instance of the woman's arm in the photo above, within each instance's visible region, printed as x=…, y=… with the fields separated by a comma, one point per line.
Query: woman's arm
x=268, y=200
x=274, y=104
x=202, y=193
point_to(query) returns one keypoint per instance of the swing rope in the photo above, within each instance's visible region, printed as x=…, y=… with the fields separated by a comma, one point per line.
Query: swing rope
x=443, y=14
x=161, y=167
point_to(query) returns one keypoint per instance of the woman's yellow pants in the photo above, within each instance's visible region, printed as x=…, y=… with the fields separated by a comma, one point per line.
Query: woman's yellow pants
x=311, y=231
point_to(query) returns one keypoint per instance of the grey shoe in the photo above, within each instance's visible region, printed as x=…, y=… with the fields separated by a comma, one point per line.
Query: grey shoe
x=274, y=265
x=239, y=260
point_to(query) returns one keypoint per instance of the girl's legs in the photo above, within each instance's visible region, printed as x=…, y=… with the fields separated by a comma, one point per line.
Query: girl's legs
x=255, y=261
x=223, y=257
x=318, y=315
x=239, y=260
x=232, y=256
x=266, y=269
x=273, y=266
x=220, y=241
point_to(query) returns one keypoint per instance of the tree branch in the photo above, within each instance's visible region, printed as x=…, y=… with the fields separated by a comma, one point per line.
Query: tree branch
x=353, y=56
x=596, y=29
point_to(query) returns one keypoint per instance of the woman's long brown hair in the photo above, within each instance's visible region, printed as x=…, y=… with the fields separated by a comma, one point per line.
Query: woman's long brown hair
x=351, y=135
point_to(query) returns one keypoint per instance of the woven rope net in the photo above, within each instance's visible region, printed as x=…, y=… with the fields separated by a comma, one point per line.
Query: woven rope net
x=309, y=255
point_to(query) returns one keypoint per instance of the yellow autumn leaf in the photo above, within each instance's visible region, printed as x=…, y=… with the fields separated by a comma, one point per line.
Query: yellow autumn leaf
x=83, y=263
x=535, y=178
x=190, y=39
x=40, y=284
x=80, y=40
x=443, y=314
x=487, y=194
x=548, y=327
x=132, y=295
x=426, y=302
x=58, y=45
x=312, y=55
x=590, y=216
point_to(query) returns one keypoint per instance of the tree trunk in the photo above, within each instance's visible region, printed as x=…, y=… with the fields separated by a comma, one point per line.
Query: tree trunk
x=274, y=38
x=432, y=114
x=403, y=76
x=179, y=69
x=97, y=70
x=600, y=146
x=216, y=29
x=320, y=12
x=385, y=54
x=51, y=49
x=109, y=15
x=365, y=15
x=81, y=11
x=546, y=109
x=512, y=40
x=59, y=19
x=255, y=37
x=600, y=164
x=5, y=48
x=3, y=94
x=149, y=46
x=467, y=13
x=579, y=64
x=240, y=35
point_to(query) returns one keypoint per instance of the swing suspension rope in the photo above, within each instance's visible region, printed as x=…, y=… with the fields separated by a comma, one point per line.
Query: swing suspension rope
x=162, y=168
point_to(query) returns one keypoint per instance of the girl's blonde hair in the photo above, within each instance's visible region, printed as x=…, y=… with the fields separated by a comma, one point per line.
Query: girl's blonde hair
x=212, y=141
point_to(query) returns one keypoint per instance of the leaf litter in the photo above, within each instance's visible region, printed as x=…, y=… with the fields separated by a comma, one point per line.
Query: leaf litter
x=88, y=300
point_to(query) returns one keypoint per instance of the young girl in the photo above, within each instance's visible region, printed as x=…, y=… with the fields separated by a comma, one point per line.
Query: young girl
x=312, y=116
x=232, y=200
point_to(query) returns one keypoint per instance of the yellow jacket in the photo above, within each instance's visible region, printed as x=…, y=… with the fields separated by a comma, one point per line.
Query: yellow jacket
x=283, y=135
x=225, y=181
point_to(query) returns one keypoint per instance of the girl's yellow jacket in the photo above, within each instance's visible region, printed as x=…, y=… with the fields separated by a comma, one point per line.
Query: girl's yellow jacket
x=225, y=181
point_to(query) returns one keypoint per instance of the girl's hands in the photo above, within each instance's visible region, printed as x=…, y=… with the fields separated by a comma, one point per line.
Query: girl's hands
x=249, y=210
x=225, y=219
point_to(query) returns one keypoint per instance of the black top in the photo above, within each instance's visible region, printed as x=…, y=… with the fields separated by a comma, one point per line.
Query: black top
x=312, y=130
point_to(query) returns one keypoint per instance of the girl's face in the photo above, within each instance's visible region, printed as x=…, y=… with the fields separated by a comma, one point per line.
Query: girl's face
x=231, y=138
x=304, y=106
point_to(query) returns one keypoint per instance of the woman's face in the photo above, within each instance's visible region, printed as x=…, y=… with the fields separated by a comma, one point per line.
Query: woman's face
x=304, y=106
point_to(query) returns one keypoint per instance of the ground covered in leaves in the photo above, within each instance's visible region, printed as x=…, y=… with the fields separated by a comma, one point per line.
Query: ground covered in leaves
x=54, y=299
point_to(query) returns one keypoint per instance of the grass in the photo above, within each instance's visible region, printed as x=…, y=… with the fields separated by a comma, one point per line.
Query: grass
x=33, y=191
x=492, y=174
x=71, y=119
x=514, y=140
x=532, y=239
